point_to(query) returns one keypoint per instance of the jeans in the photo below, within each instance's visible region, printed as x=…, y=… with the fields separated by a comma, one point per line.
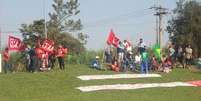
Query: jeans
x=96, y=66
x=144, y=67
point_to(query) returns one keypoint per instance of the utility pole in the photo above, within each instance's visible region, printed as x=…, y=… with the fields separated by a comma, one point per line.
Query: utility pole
x=160, y=11
x=0, y=38
x=44, y=14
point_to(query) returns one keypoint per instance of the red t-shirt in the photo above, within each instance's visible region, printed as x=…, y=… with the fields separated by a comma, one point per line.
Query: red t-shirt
x=61, y=52
x=5, y=56
x=39, y=52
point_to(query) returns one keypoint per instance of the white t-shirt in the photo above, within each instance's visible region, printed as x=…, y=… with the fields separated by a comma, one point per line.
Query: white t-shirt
x=137, y=58
x=141, y=45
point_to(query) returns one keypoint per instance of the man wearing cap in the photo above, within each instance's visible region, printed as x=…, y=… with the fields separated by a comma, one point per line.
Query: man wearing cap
x=141, y=46
x=96, y=63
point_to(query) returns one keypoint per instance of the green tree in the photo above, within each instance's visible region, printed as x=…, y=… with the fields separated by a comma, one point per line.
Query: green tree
x=62, y=19
x=33, y=32
x=186, y=25
x=60, y=27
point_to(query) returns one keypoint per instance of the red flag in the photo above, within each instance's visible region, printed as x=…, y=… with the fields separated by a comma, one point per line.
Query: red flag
x=127, y=45
x=196, y=83
x=115, y=42
x=48, y=45
x=112, y=39
x=15, y=44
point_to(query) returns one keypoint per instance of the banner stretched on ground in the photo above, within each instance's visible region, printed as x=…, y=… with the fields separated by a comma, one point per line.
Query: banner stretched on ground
x=48, y=45
x=112, y=39
x=15, y=44
x=139, y=86
x=117, y=76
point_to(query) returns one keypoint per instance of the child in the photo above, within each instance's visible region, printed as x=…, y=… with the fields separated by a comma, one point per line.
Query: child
x=166, y=64
x=115, y=66
x=199, y=63
x=155, y=64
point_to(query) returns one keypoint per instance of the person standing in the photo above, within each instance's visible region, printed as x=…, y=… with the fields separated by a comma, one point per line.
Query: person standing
x=172, y=55
x=108, y=54
x=27, y=57
x=141, y=46
x=39, y=52
x=6, y=66
x=33, y=66
x=120, y=53
x=188, y=55
x=180, y=56
x=60, y=55
x=52, y=59
x=144, y=64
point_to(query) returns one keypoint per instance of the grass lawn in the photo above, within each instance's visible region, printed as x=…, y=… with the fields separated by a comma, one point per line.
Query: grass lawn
x=60, y=86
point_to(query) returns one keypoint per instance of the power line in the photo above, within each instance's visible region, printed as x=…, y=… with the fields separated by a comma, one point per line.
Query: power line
x=159, y=13
x=118, y=18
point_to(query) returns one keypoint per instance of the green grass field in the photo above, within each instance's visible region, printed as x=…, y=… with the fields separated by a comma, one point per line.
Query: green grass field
x=60, y=86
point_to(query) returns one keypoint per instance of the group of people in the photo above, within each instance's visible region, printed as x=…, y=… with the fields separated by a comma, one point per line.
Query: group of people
x=37, y=59
x=143, y=60
x=40, y=60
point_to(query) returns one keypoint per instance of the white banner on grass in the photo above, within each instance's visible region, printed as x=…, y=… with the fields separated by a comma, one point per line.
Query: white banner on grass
x=132, y=86
x=117, y=76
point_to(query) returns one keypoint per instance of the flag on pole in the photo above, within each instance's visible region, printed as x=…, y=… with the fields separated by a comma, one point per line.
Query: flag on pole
x=48, y=45
x=157, y=51
x=127, y=45
x=15, y=44
x=112, y=39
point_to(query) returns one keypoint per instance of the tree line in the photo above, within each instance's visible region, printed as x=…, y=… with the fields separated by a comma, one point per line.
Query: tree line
x=185, y=25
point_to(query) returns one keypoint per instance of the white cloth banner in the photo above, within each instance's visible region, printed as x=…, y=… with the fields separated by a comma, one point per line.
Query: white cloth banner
x=132, y=86
x=117, y=76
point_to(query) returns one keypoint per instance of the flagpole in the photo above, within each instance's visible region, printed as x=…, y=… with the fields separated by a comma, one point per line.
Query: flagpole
x=44, y=14
x=102, y=61
x=0, y=39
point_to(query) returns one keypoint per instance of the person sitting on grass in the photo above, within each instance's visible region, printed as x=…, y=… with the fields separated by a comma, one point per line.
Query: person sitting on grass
x=199, y=63
x=166, y=64
x=115, y=66
x=155, y=65
x=96, y=63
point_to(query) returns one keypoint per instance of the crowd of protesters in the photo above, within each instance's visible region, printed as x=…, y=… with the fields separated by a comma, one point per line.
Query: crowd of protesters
x=37, y=59
x=123, y=60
